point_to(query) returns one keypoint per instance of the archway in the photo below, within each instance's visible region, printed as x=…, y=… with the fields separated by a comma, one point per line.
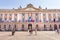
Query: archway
x=29, y=26
x=55, y=27
x=9, y=28
x=37, y=27
x=5, y=27
x=15, y=27
x=50, y=28
x=45, y=28
x=22, y=27
x=59, y=26
x=0, y=27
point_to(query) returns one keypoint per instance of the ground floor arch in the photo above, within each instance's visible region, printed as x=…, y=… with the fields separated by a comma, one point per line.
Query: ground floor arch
x=29, y=26
x=55, y=27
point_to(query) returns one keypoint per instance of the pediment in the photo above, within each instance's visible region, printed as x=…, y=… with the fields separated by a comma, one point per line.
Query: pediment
x=30, y=9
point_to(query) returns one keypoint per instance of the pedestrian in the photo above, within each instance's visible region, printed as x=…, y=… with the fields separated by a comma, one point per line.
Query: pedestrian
x=13, y=31
x=30, y=30
x=58, y=31
x=35, y=31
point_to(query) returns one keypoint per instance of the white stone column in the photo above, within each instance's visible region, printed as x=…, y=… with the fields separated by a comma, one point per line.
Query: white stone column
x=41, y=17
x=7, y=17
x=33, y=16
x=26, y=16
x=18, y=17
x=52, y=17
x=12, y=17
x=56, y=17
x=3, y=17
x=47, y=19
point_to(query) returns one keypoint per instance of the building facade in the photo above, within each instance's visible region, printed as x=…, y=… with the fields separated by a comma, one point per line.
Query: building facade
x=21, y=18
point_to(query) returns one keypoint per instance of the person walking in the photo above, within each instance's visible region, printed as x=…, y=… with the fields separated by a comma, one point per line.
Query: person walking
x=30, y=30
x=58, y=31
x=13, y=31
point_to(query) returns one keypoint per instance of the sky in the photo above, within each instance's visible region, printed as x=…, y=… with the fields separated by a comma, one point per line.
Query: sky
x=9, y=4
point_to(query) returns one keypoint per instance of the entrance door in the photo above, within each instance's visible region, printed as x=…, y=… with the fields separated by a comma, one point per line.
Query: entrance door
x=55, y=27
x=29, y=26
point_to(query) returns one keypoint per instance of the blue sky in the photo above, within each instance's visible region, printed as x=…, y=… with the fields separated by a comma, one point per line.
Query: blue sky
x=50, y=4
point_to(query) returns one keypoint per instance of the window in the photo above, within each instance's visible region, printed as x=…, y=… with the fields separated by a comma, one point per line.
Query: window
x=37, y=27
x=10, y=18
x=4, y=27
x=5, y=19
x=44, y=20
x=5, y=14
x=54, y=19
x=9, y=28
x=45, y=27
x=23, y=14
x=15, y=14
x=59, y=26
x=59, y=19
x=0, y=19
x=15, y=20
x=44, y=14
x=36, y=14
x=29, y=19
x=0, y=27
x=22, y=19
x=49, y=19
x=1, y=14
x=10, y=14
x=15, y=27
x=22, y=27
x=49, y=14
x=36, y=19
x=54, y=15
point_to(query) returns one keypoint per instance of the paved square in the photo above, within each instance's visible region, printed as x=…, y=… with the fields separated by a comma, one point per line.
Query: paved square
x=41, y=35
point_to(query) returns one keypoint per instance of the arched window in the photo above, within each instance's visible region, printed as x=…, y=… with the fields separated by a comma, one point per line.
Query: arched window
x=22, y=27
x=0, y=27
x=54, y=19
x=9, y=28
x=59, y=19
x=15, y=27
x=59, y=26
x=45, y=27
x=55, y=27
x=50, y=28
x=37, y=27
x=4, y=27
x=29, y=26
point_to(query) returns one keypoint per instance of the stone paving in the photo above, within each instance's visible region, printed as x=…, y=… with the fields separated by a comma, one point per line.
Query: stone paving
x=41, y=35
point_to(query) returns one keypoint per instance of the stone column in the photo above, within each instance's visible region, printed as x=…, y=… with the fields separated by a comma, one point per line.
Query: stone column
x=26, y=16
x=7, y=17
x=52, y=17
x=12, y=17
x=47, y=19
x=33, y=16
x=56, y=17
x=18, y=17
x=3, y=17
x=41, y=17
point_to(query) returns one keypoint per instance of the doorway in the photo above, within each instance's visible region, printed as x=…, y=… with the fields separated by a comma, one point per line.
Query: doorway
x=29, y=26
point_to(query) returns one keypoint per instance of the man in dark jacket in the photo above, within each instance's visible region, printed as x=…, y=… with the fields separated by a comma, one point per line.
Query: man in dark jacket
x=13, y=31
